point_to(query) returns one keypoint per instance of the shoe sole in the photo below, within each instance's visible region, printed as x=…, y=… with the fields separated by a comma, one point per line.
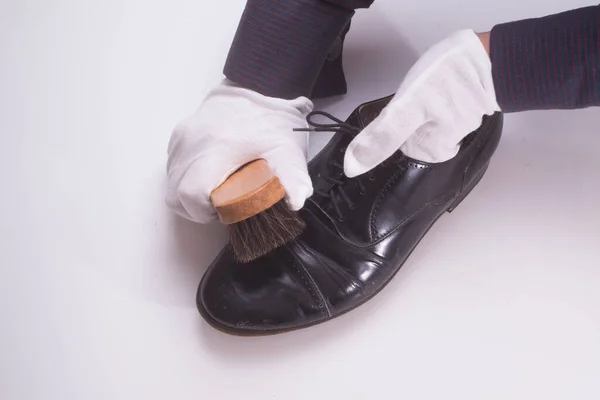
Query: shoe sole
x=246, y=333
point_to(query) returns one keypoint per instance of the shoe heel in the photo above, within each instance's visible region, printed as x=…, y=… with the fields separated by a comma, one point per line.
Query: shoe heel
x=462, y=195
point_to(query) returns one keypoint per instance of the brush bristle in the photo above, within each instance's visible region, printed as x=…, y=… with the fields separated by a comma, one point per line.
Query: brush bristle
x=264, y=232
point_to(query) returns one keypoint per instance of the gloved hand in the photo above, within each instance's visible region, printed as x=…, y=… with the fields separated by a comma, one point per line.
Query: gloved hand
x=234, y=126
x=442, y=99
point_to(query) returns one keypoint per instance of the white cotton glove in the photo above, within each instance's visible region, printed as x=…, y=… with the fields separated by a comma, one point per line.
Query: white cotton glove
x=441, y=100
x=232, y=127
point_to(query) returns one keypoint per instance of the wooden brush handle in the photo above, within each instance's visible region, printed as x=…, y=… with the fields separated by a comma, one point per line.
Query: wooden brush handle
x=250, y=190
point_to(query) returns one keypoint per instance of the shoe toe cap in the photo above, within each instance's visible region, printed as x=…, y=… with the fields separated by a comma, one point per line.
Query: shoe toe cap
x=271, y=294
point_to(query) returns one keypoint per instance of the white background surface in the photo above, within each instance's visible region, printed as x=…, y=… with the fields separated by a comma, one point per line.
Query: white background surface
x=500, y=301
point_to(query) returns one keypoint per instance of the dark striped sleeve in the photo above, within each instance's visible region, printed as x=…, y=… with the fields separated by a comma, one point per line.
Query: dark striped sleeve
x=281, y=46
x=548, y=63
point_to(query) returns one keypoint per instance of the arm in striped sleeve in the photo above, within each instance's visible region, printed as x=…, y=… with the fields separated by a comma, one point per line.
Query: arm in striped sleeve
x=281, y=47
x=548, y=63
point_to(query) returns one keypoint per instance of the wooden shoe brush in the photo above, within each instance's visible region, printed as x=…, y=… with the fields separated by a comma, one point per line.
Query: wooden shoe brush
x=251, y=203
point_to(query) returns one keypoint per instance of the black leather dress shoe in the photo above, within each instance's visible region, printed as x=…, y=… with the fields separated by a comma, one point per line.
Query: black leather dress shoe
x=359, y=233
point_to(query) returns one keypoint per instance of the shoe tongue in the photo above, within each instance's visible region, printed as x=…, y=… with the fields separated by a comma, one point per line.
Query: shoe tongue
x=369, y=111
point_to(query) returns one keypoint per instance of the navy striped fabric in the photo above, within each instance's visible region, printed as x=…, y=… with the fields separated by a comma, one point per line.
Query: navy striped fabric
x=548, y=63
x=353, y=4
x=281, y=47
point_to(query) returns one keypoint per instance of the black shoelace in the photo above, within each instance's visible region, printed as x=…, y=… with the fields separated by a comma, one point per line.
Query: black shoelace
x=336, y=191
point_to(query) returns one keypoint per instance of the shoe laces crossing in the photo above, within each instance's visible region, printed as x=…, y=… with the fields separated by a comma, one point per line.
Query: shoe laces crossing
x=336, y=192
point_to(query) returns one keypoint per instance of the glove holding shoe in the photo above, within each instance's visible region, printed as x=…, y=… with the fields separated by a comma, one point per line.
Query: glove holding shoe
x=441, y=100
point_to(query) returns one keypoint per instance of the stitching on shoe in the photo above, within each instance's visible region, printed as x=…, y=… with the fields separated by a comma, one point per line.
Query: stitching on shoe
x=382, y=195
x=316, y=293
x=340, y=234
x=324, y=265
x=480, y=133
x=343, y=273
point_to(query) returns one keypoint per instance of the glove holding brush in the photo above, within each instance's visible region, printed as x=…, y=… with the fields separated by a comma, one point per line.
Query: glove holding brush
x=240, y=147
